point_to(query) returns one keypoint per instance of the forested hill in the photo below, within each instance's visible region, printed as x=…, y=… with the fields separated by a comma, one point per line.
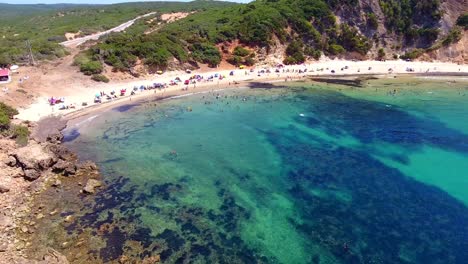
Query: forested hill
x=289, y=30
x=45, y=25
x=295, y=30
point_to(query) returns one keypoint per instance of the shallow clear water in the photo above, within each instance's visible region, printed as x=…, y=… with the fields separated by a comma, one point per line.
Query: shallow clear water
x=312, y=173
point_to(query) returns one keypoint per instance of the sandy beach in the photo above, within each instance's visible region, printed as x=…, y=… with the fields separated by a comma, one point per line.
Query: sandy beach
x=241, y=77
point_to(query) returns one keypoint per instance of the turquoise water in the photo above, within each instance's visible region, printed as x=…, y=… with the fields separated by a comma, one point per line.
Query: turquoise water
x=311, y=173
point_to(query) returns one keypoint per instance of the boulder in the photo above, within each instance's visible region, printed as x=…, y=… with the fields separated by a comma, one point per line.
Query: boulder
x=11, y=161
x=62, y=152
x=31, y=174
x=88, y=165
x=4, y=189
x=33, y=156
x=55, y=138
x=91, y=184
x=65, y=167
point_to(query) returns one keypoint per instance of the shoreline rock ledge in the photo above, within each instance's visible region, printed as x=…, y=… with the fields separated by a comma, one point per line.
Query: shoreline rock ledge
x=25, y=173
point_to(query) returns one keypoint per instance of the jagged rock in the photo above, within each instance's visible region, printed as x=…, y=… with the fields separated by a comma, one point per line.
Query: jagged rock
x=68, y=168
x=33, y=156
x=11, y=161
x=88, y=165
x=4, y=189
x=62, y=152
x=57, y=183
x=69, y=218
x=3, y=247
x=17, y=173
x=55, y=138
x=31, y=174
x=91, y=185
x=53, y=257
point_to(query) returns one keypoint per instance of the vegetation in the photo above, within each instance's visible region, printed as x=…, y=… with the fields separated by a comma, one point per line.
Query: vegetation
x=197, y=38
x=462, y=21
x=412, y=19
x=308, y=29
x=381, y=54
x=100, y=78
x=241, y=56
x=20, y=133
x=411, y=55
x=45, y=25
x=453, y=36
x=372, y=21
x=91, y=67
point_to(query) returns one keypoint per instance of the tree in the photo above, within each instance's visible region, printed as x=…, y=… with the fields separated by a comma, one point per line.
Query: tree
x=91, y=67
x=381, y=54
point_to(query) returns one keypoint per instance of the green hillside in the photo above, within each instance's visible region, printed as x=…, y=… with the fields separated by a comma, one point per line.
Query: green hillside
x=308, y=28
x=45, y=25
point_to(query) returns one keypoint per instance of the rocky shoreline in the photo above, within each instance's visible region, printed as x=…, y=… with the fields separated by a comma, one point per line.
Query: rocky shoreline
x=30, y=176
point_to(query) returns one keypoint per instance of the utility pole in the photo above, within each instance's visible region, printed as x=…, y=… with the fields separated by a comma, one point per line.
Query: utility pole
x=30, y=54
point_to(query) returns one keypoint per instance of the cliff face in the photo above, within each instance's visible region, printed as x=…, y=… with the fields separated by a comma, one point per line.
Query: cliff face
x=394, y=42
x=456, y=52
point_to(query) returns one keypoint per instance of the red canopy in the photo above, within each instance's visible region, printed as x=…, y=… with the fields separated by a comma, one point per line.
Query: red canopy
x=4, y=72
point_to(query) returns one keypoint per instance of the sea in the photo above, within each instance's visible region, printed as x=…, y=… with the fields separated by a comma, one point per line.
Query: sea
x=373, y=171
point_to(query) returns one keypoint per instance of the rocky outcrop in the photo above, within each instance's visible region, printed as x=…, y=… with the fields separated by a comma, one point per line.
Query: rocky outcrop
x=26, y=173
x=67, y=168
x=4, y=189
x=32, y=159
x=91, y=185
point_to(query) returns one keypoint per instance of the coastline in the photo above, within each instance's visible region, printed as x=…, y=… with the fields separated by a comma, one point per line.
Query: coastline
x=70, y=187
x=342, y=69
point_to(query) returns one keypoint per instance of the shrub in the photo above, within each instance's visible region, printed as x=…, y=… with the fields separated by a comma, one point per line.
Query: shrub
x=462, y=21
x=335, y=49
x=453, y=36
x=100, y=78
x=372, y=21
x=240, y=51
x=412, y=54
x=91, y=67
x=20, y=133
x=381, y=54
x=8, y=110
x=235, y=60
x=206, y=53
x=314, y=53
x=294, y=53
x=4, y=121
x=249, y=61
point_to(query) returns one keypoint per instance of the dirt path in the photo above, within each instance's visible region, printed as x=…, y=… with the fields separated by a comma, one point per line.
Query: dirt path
x=78, y=41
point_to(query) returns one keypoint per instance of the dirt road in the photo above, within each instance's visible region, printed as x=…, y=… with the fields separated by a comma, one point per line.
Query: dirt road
x=78, y=41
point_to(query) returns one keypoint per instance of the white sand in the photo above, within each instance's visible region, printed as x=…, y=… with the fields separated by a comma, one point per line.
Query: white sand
x=41, y=108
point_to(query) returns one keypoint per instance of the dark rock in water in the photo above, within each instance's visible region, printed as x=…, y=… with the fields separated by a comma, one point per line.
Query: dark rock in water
x=4, y=189
x=91, y=185
x=88, y=165
x=115, y=241
x=31, y=174
x=65, y=167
